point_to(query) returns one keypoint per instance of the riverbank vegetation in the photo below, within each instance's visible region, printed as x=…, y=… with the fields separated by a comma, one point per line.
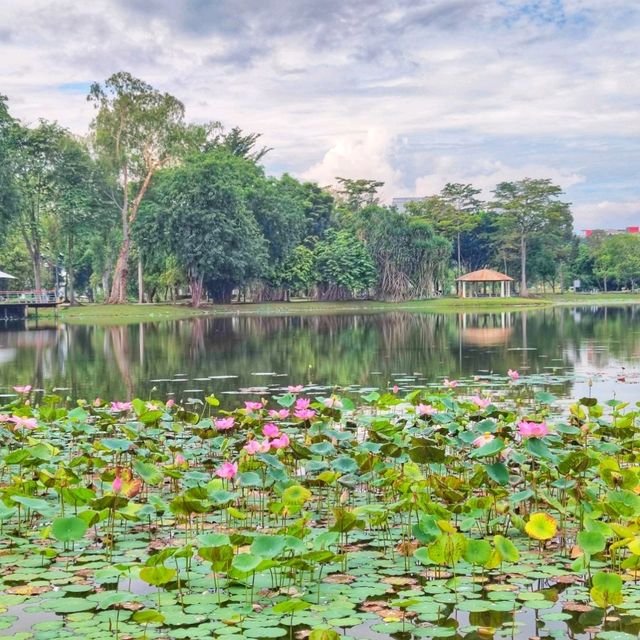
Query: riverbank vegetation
x=483, y=509
x=150, y=206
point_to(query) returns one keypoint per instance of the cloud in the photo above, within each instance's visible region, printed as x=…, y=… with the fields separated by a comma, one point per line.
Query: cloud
x=412, y=93
x=486, y=174
x=607, y=214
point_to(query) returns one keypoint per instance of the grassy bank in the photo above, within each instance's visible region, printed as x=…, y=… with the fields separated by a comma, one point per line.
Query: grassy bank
x=130, y=313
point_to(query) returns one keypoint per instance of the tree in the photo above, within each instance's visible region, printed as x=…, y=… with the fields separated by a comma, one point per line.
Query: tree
x=344, y=266
x=526, y=208
x=463, y=203
x=35, y=157
x=8, y=194
x=208, y=225
x=240, y=144
x=617, y=258
x=137, y=130
x=357, y=194
x=411, y=259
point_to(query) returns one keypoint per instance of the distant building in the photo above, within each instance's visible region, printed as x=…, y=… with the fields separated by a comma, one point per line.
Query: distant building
x=609, y=232
x=401, y=203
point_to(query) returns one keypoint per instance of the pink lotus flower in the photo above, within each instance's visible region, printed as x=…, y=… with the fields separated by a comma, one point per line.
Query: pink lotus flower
x=485, y=438
x=5, y=417
x=295, y=388
x=253, y=406
x=481, y=403
x=303, y=403
x=332, y=403
x=425, y=410
x=116, y=485
x=180, y=460
x=252, y=447
x=170, y=403
x=395, y=388
x=223, y=424
x=281, y=442
x=270, y=430
x=281, y=414
x=305, y=414
x=227, y=470
x=532, y=429
x=450, y=384
x=514, y=375
x=97, y=402
x=24, y=423
x=26, y=389
x=121, y=406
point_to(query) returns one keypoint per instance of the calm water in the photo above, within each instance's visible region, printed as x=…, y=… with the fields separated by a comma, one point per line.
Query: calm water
x=253, y=355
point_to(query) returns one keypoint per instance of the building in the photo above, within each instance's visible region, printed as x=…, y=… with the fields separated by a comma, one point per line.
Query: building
x=401, y=203
x=587, y=233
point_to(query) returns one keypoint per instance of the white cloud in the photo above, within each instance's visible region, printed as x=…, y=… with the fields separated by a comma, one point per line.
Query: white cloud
x=357, y=157
x=607, y=215
x=486, y=174
x=334, y=86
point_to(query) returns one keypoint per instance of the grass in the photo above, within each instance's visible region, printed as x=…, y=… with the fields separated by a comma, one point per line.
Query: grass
x=132, y=313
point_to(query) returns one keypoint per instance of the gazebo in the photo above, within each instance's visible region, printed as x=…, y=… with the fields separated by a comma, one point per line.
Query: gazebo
x=478, y=282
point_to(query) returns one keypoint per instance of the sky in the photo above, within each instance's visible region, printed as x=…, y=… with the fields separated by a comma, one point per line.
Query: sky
x=415, y=93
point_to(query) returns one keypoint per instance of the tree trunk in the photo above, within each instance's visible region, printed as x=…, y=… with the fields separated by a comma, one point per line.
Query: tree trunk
x=523, y=267
x=459, y=261
x=37, y=278
x=71, y=292
x=140, y=281
x=119, y=284
x=195, y=283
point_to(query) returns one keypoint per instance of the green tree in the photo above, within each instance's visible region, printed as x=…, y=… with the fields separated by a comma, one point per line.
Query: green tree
x=208, y=225
x=527, y=208
x=137, y=130
x=617, y=258
x=344, y=266
x=357, y=194
x=35, y=157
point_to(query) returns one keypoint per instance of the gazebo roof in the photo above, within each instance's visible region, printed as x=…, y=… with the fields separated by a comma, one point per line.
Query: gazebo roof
x=6, y=275
x=484, y=275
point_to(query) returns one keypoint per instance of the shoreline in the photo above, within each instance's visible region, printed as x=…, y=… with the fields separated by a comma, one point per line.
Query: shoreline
x=133, y=313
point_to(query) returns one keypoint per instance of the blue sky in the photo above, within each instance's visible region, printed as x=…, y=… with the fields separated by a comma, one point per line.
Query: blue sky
x=415, y=93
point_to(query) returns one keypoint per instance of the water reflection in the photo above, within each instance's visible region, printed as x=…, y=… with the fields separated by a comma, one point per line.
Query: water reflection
x=225, y=354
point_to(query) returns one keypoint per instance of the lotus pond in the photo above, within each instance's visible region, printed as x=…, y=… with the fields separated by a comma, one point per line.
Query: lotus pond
x=488, y=512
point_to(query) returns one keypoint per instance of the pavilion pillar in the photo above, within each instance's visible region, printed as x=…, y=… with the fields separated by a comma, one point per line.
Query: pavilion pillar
x=502, y=289
x=464, y=289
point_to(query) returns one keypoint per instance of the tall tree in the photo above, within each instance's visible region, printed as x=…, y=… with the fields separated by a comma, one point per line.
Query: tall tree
x=36, y=154
x=525, y=208
x=465, y=206
x=138, y=130
x=357, y=194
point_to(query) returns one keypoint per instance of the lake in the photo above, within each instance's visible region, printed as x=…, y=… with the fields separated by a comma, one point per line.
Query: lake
x=241, y=356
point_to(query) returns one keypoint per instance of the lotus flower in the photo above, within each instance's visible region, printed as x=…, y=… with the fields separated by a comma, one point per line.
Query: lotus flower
x=228, y=470
x=280, y=414
x=295, y=388
x=5, y=417
x=532, y=429
x=481, y=403
x=26, y=389
x=514, y=375
x=170, y=403
x=270, y=430
x=450, y=384
x=252, y=447
x=121, y=406
x=281, y=442
x=303, y=403
x=253, y=406
x=395, y=388
x=180, y=460
x=116, y=485
x=304, y=414
x=425, y=410
x=485, y=438
x=223, y=424
x=332, y=403
x=24, y=423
